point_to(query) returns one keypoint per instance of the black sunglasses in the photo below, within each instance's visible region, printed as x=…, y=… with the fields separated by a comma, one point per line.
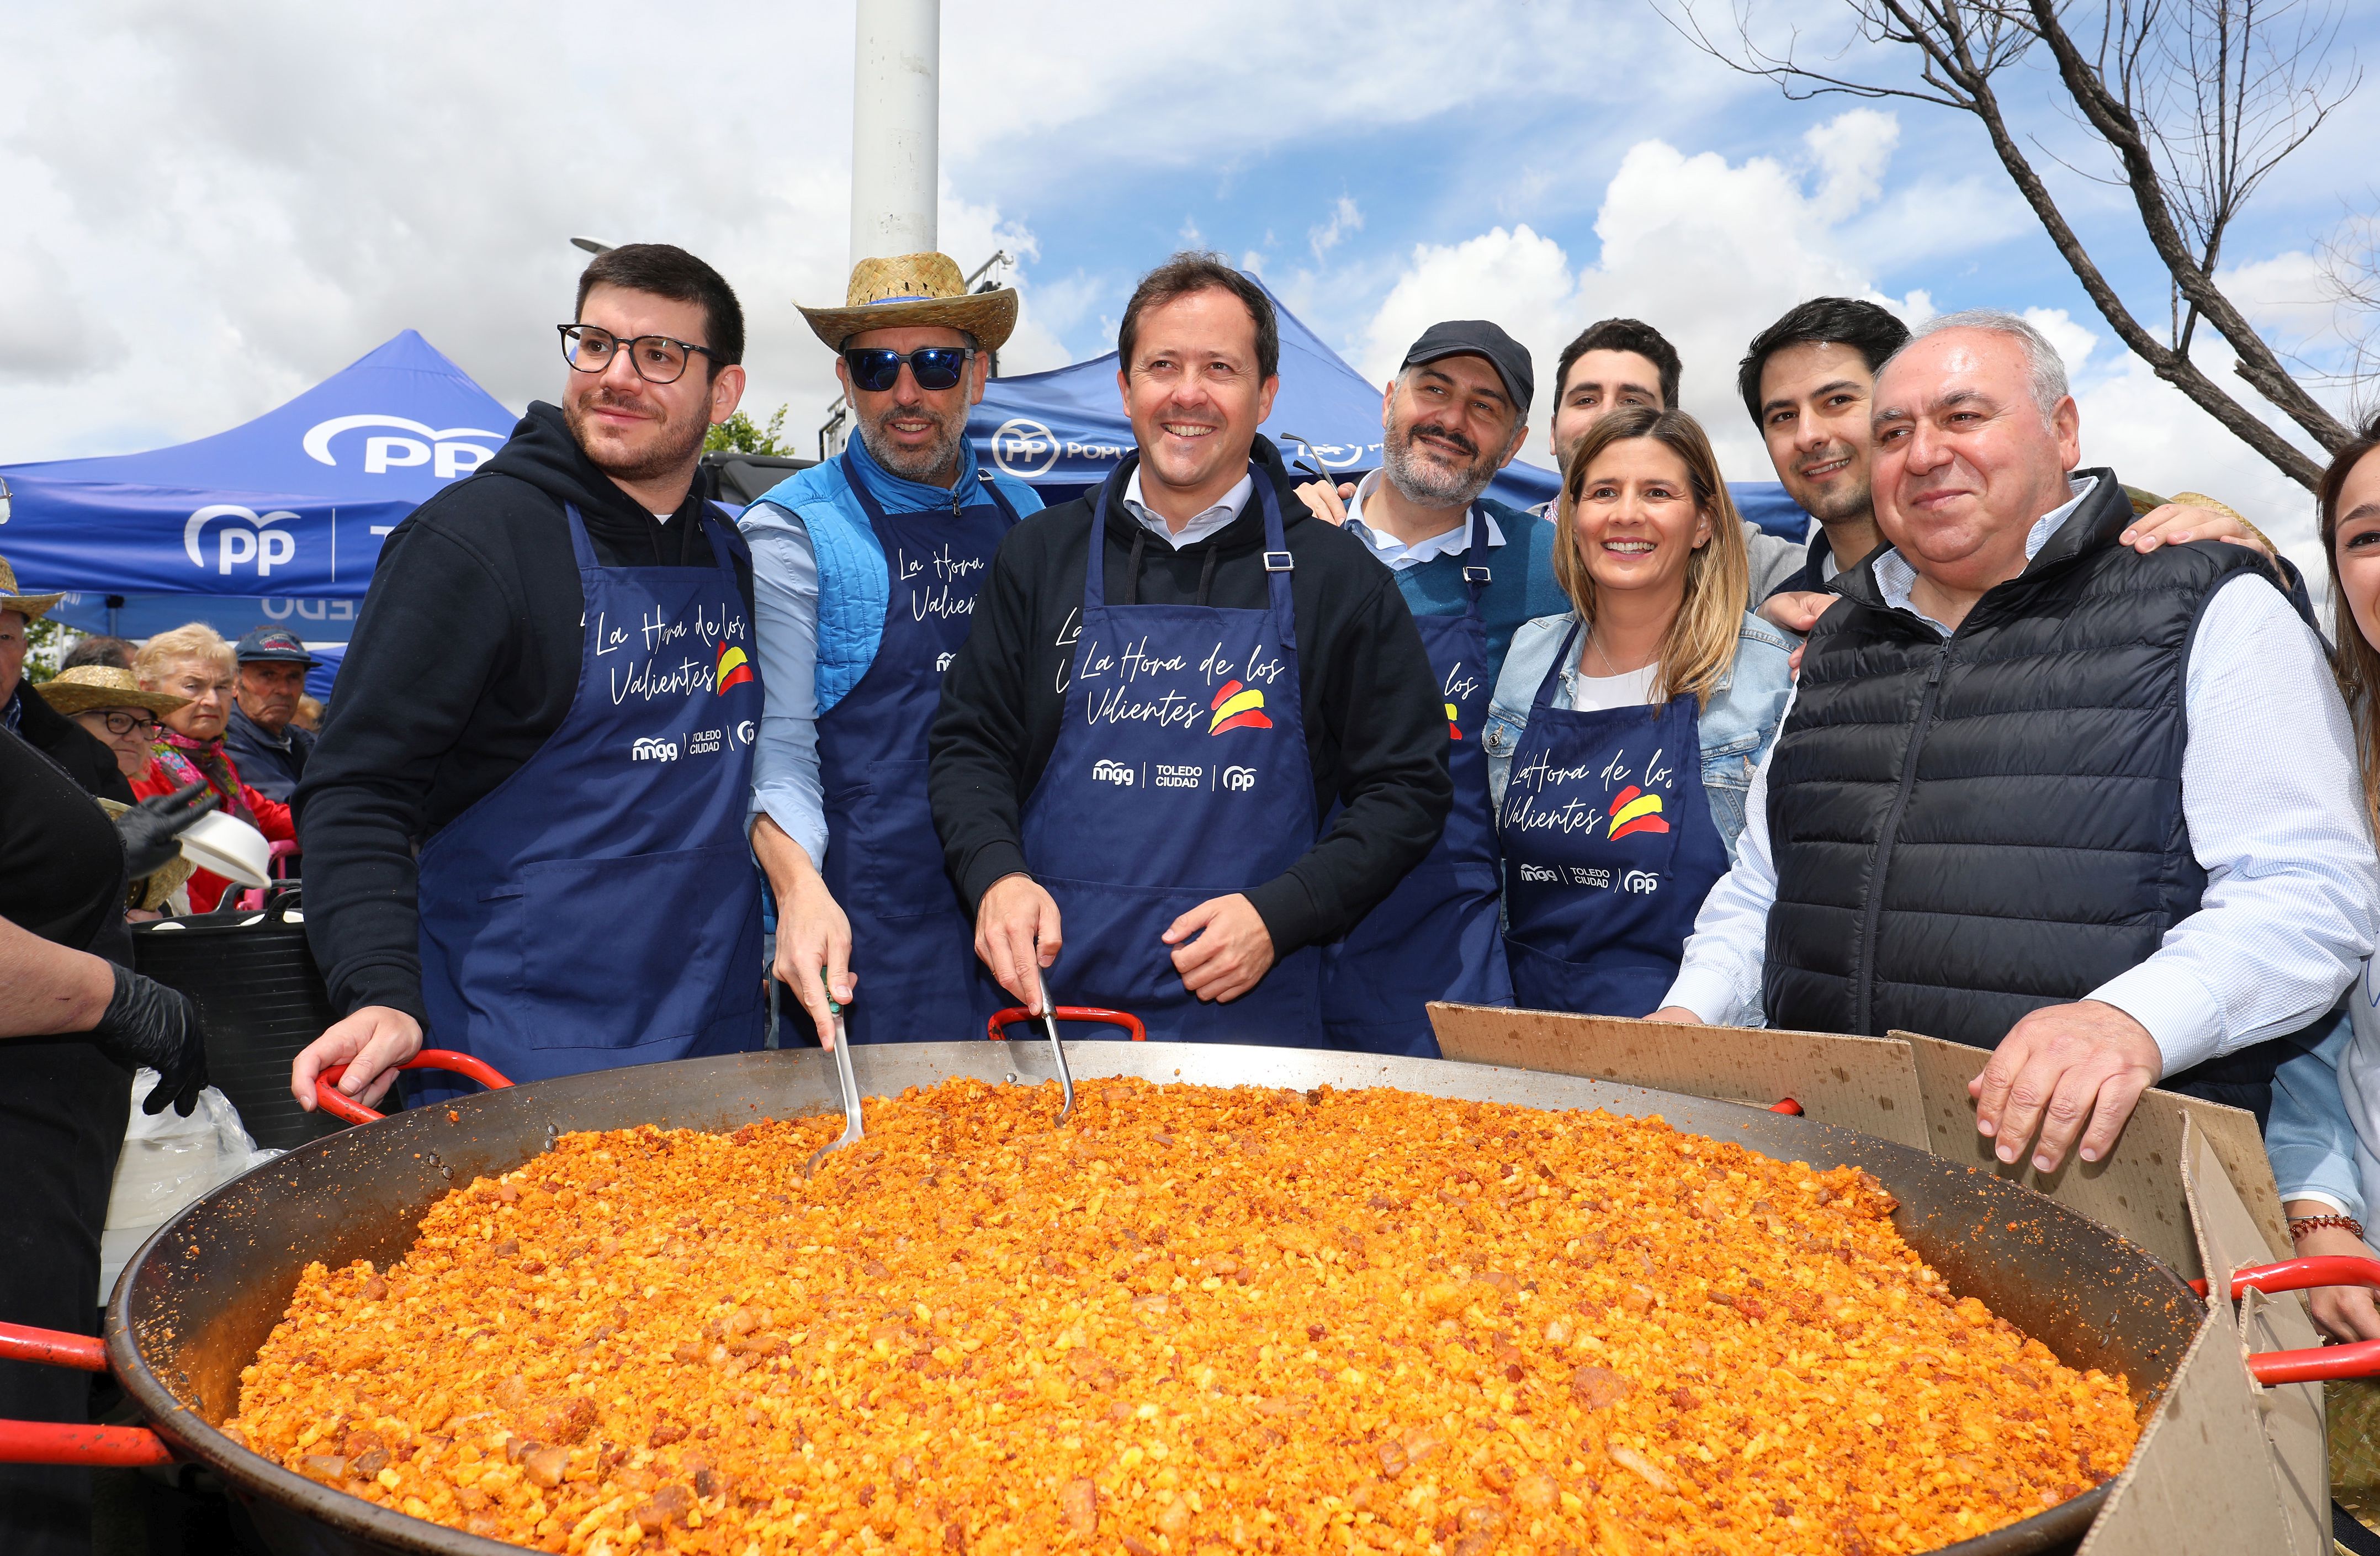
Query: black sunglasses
x=876, y=368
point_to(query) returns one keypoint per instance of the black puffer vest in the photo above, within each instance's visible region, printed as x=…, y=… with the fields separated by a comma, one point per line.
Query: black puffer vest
x=1970, y=829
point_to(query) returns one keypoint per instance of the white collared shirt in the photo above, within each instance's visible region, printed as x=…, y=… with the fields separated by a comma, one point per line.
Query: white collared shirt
x=1200, y=527
x=2272, y=805
x=1395, y=554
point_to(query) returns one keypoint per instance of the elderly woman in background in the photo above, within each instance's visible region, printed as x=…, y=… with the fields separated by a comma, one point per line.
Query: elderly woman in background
x=107, y=701
x=110, y=704
x=194, y=663
x=1624, y=732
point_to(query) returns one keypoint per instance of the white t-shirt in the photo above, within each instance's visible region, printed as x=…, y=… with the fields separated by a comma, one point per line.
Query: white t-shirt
x=1594, y=694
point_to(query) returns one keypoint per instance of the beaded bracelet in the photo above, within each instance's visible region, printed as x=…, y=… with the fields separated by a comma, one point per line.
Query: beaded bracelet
x=2300, y=1225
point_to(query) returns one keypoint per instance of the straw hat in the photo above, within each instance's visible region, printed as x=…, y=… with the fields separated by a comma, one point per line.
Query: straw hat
x=33, y=607
x=911, y=291
x=86, y=687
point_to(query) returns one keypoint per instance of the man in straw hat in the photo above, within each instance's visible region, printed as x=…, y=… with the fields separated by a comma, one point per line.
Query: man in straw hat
x=550, y=696
x=865, y=570
x=88, y=762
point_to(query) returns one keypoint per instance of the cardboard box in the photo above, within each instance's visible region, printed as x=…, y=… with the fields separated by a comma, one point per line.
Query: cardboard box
x=2224, y=1463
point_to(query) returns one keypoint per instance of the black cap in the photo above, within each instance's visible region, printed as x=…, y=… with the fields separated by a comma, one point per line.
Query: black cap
x=271, y=645
x=1477, y=338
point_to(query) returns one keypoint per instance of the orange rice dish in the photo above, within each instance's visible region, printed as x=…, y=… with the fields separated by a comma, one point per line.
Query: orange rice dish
x=1191, y=1319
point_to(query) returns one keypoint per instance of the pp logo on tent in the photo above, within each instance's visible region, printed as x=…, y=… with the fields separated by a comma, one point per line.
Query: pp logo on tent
x=259, y=547
x=441, y=450
x=1024, y=448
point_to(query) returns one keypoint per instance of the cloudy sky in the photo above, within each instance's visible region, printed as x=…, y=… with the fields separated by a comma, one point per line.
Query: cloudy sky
x=209, y=208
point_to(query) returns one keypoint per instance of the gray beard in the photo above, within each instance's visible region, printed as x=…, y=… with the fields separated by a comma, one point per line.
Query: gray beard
x=1425, y=484
x=928, y=465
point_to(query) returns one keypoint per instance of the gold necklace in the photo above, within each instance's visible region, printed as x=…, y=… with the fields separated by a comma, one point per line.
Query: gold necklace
x=1614, y=670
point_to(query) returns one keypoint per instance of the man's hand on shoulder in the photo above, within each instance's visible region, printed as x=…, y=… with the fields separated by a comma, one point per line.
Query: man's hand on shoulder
x=1325, y=502
x=2179, y=523
x=371, y=1044
x=2059, y=1069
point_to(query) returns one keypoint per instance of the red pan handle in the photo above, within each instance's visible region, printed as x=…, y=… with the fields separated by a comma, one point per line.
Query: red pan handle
x=57, y=1442
x=2359, y=1359
x=338, y=1104
x=1014, y=1013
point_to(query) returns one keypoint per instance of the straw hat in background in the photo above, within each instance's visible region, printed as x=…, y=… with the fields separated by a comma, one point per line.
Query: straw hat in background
x=33, y=607
x=87, y=687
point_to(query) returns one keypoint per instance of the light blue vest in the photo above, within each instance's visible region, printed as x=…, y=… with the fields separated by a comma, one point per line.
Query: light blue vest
x=855, y=587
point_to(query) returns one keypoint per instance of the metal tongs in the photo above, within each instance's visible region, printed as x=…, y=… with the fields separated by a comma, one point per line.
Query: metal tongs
x=850, y=1085
x=1058, y=1054
x=1048, y=1015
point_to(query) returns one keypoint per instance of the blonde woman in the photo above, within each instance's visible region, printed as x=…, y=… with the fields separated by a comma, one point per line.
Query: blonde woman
x=194, y=663
x=1624, y=734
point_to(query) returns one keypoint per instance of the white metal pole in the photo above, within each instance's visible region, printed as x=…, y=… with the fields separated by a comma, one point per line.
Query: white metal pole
x=895, y=128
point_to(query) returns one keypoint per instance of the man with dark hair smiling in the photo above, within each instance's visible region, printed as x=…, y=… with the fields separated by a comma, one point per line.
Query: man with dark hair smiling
x=524, y=817
x=1807, y=380
x=1167, y=682
x=867, y=568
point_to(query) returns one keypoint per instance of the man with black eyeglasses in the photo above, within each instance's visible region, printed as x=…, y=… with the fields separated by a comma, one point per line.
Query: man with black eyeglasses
x=867, y=568
x=524, y=819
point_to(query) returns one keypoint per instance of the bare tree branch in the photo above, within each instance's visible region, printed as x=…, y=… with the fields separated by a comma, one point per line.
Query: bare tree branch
x=2197, y=100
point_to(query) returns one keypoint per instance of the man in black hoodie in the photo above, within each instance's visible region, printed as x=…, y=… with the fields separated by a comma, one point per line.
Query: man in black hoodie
x=500, y=839
x=1137, y=741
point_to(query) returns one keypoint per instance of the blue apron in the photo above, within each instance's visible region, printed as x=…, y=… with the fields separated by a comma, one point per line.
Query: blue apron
x=912, y=943
x=1180, y=774
x=600, y=906
x=1608, y=852
x=1435, y=937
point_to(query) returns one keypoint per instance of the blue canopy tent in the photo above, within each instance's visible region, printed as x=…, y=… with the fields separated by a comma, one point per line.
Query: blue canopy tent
x=279, y=520
x=1066, y=429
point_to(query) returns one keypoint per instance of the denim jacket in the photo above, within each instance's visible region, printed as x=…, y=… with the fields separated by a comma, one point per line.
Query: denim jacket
x=1738, y=726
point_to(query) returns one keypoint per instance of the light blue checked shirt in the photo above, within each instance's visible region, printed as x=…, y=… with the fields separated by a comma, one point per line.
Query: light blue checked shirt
x=2272, y=802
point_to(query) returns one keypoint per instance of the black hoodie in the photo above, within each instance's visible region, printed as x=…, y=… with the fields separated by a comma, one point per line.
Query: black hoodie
x=1374, y=722
x=463, y=663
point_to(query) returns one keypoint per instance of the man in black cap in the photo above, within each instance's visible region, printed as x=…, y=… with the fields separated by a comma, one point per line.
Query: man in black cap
x=270, y=749
x=1473, y=570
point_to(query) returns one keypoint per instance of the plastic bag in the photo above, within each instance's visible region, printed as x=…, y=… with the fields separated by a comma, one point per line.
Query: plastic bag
x=166, y=1164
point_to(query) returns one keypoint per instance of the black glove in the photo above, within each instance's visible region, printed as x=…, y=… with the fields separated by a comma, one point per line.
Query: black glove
x=150, y=1025
x=152, y=829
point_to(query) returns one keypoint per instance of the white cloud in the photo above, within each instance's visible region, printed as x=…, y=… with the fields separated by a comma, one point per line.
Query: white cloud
x=1344, y=218
x=2074, y=342
x=1853, y=151
x=1709, y=252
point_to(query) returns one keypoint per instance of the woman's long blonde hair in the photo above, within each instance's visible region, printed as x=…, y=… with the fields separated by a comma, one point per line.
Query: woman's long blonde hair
x=2353, y=659
x=1699, y=648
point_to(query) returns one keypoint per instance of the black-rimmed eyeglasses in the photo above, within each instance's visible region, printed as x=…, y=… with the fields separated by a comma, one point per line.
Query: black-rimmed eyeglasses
x=656, y=358
x=122, y=721
x=876, y=368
